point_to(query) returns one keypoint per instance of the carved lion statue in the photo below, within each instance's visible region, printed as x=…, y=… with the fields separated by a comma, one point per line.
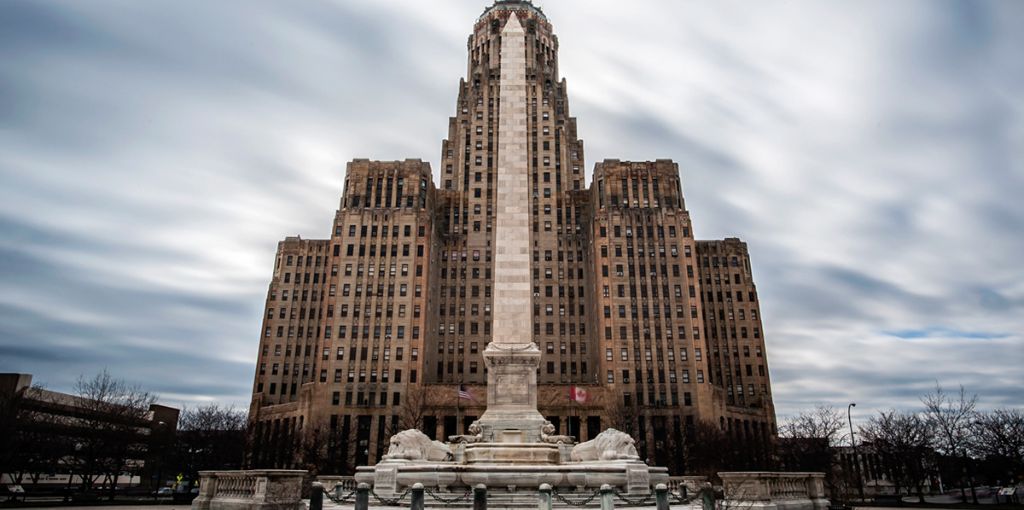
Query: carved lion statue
x=415, y=445
x=608, y=445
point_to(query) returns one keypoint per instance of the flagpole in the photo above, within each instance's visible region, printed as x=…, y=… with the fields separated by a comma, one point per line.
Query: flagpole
x=572, y=401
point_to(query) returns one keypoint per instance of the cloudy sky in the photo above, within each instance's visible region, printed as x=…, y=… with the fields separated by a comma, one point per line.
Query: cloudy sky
x=153, y=153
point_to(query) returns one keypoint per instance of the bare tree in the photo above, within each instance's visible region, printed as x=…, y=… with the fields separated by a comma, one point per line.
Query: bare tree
x=902, y=441
x=951, y=418
x=111, y=429
x=809, y=443
x=211, y=437
x=13, y=416
x=824, y=422
x=27, y=444
x=412, y=409
x=708, y=450
x=999, y=436
x=313, y=451
x=622, y=417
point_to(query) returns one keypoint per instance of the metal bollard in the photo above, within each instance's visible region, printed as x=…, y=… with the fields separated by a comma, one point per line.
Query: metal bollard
x=417, y=497
x=316, y=497
x=363, y=496
x=544, y=497
x=707, y=497
x=660, y=496
x=480, y=497
x=606, y=498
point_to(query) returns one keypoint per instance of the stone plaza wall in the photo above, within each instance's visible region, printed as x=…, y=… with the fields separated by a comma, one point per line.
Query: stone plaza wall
x=762, y=490
x=257, y=489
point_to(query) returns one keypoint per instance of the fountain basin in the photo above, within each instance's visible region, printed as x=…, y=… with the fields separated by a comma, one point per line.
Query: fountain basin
x=392, y=477
x=511, y=453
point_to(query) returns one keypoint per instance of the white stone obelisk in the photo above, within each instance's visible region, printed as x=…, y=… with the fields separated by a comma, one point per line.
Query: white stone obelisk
x=512, y=357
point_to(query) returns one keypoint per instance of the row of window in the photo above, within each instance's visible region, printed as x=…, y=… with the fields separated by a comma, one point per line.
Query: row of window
x=353, y=333
x=298, y=276
x=293, y=387
x=647, y=333
x=379, y=313
x=627, y=399
x=362, y=375
x=718, y=296
x=403, y=290
x=732, y=314
x=669, y=352
x=736, y=351
x=289, y=259
x=381, y=231
x=641, y=269
x=350, y=250
x=653, y=231
x=731, y=332
x=610, y=376
x=369, y=399
x=294, y=295
x=733, y=261
x=344, y=332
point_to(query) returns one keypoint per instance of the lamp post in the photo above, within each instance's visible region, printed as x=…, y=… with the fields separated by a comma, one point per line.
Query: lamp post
x=856, y=460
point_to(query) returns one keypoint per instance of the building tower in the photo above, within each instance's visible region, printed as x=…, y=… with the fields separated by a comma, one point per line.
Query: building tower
x=386, y=325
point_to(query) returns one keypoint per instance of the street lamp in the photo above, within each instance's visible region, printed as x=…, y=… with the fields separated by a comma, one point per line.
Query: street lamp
x=856, y=460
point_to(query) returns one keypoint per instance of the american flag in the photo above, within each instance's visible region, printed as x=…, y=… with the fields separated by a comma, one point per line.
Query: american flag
x=464, y=393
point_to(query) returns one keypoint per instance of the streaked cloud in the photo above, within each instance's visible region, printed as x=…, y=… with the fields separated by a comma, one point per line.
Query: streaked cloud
x=152, y=154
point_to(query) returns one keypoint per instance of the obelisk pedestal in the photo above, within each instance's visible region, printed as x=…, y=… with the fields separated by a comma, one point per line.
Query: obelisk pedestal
x=511, y=415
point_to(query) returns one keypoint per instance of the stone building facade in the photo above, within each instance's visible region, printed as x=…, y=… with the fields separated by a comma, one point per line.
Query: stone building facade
x=379, y=327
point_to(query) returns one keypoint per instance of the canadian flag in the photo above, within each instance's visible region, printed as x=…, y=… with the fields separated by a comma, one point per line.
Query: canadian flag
x=578, y=394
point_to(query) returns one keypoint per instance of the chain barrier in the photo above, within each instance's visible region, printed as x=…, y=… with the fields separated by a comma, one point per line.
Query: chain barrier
x=577, y=502
x=449, y=501
x=679, y=499
x=343, y=499
x=390, y=502
x=645, y=501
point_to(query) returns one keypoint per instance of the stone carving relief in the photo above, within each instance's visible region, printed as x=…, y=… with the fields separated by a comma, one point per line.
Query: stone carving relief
x=415, y=445
x=547, y=435
x=278, y=490
x=608, y=445
x=475, y=435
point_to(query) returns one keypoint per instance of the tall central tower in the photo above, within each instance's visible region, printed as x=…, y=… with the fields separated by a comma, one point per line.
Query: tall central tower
x=511, y=173
x=508, y=278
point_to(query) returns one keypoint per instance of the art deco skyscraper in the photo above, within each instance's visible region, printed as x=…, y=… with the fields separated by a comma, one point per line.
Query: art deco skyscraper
x=377, y=328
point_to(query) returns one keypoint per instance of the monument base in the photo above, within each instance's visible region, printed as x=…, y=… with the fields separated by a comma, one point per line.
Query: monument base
x=631, y=477
x=511, y=415
x=511, y=453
